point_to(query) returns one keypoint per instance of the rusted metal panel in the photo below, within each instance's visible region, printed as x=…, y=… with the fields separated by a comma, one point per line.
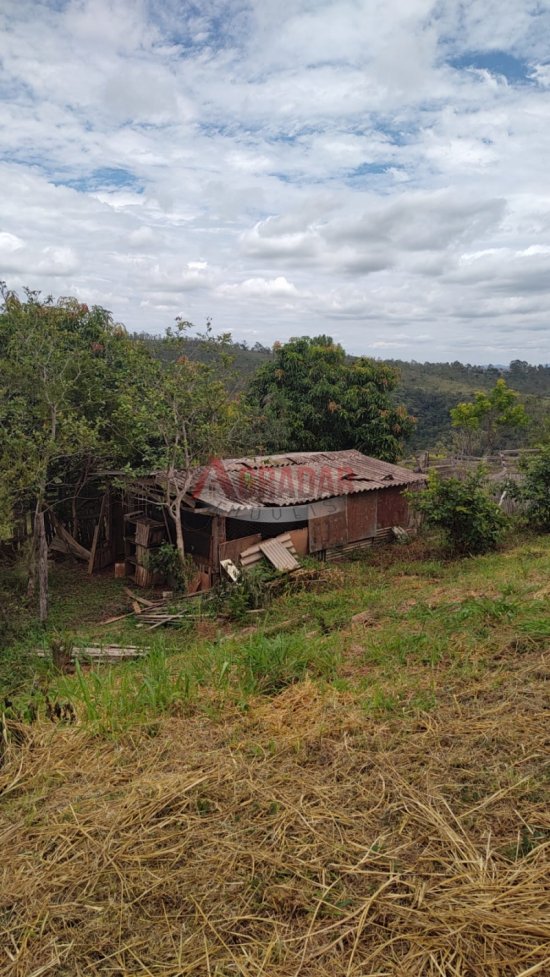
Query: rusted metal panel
x=327, y=525
x=392, y=509
x=362, y=515
x=278, y=555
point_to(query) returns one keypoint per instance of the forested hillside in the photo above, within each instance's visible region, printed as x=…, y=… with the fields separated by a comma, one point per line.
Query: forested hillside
x=428, y=390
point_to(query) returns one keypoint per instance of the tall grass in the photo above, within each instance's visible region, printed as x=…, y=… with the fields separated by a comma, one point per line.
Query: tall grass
x=113, y=698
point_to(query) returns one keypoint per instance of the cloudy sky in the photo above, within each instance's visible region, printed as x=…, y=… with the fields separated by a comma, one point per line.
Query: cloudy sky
x=378, y=170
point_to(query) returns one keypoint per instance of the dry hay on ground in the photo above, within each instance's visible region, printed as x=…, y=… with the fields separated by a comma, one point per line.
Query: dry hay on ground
x=303, y=840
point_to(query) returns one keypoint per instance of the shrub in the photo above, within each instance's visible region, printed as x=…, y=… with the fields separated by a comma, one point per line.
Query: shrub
x=471, y=521
x=535, y=490
x=167, y=562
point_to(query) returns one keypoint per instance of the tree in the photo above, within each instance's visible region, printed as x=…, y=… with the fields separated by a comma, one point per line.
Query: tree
x=471, y=521
x=182, y=414
x=482, y=419
x=312, y=397
x=62, y=366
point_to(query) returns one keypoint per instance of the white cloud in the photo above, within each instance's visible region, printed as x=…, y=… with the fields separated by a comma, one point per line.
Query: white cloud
x=260, y=288
x=10, y=242
x=352, y=166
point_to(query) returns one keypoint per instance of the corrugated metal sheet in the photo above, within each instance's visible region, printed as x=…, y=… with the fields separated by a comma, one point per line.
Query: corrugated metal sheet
x=293, y=479
x=278, y=555
x=253, y=554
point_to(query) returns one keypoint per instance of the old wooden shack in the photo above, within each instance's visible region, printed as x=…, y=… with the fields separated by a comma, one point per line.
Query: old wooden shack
x=330, y=503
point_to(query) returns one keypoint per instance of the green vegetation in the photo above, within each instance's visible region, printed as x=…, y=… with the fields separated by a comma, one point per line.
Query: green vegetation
x=429, y=391
x=432, y=390
x=424, y=621
x=461, y=507
x=311, y=397
x=535, y=490
x=182, y=414
x=80, y=398
x=480, y=420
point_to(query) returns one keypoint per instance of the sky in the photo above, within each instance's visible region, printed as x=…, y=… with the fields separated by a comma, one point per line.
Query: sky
x=375, y=170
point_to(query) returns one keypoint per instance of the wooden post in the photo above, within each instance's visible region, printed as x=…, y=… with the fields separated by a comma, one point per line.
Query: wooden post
x=42, y=568
x=97, y=531
x=218, y=536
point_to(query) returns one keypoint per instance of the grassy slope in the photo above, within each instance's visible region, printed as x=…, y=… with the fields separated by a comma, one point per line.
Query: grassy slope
x=300, y=796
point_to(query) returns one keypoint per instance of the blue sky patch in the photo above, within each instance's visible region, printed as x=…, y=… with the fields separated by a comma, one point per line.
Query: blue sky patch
x=105, y=178
x=497, y=62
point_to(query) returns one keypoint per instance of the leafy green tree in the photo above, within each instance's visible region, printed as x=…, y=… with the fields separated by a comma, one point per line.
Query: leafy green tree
x=312, y=397
x=471, y=521
x=182, y=414
x=61, y=368
x=490, y=413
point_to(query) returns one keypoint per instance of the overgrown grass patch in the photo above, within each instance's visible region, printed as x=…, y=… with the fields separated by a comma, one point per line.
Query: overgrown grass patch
x=446, y=621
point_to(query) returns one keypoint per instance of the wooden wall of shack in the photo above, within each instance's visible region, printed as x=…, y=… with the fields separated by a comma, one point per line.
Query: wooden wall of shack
x=333, y=524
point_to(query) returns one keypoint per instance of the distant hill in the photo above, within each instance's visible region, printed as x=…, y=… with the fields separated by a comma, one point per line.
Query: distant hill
x=428, y=390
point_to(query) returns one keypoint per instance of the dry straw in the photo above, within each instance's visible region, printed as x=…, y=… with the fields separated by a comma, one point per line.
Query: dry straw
x=303, y=840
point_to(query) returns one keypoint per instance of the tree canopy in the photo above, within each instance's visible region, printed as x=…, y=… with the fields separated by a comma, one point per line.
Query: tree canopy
x=78, y=397
x=312, y=397
x=181, y=412
x=489, y=413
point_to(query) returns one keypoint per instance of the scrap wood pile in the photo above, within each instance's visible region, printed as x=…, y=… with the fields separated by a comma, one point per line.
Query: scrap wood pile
x=154, y=613
x=286, y=573
x=305, y=840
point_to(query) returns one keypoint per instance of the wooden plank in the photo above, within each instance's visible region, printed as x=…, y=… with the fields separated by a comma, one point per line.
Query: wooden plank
x=195, y=583
x=300, y=539
x=97, y=530
x=141, y=600
x=232, y=549
x=252, y=550
x=73, y=547
x=218, y=536
x=362, y=513
x=327, y=524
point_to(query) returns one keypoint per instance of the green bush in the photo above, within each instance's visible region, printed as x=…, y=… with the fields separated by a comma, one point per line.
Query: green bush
x=471, y=521
x=167, y=562
x=535, y=490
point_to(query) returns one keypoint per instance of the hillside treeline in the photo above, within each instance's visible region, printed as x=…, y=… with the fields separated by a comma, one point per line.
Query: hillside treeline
x=429, y=391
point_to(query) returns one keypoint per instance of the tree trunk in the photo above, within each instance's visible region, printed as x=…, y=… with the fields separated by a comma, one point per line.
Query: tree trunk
x=179, y=531
x=42, y=568
x=75, y=517
x=31, y=581
x=33, y=557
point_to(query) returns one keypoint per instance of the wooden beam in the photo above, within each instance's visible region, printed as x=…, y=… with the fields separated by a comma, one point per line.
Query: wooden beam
x=97, y=531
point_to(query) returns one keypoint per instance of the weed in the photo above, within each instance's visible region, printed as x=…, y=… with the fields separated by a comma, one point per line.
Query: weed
x=380, y=701
x=112, y=699
x=269, y=664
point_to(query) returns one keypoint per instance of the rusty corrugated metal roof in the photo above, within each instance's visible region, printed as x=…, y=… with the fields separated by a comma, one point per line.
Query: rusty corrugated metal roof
x=293, y=479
